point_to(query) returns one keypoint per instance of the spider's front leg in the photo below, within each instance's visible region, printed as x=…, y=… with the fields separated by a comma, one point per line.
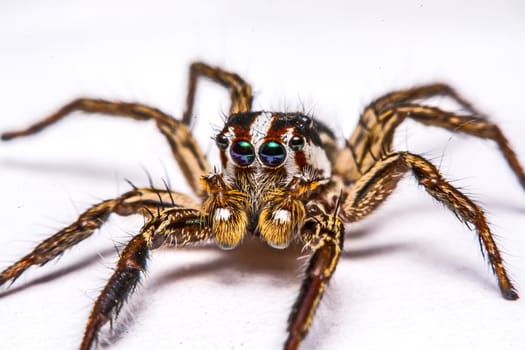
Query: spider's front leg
x=144, y=201
x=324, y=235
x=174, y=226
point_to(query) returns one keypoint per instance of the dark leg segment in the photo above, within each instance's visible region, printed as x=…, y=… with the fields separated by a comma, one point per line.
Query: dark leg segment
x=184, y=147
x=323, y=234
x=131, y=264
x=175, y=226
x=374, y=186
x=240, y=91
x=140, y=201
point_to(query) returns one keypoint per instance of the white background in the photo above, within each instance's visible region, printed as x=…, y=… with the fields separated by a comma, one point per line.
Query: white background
x=411, y=276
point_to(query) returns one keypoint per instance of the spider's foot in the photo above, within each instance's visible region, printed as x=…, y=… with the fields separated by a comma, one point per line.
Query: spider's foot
x=10, y=275
x=6, y=136
x=510, y=294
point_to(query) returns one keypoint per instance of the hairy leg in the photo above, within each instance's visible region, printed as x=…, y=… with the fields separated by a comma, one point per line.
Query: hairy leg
x=324, y=235
x=410, y=95
x=374, y=133
x=240, y=91
x=143, y=201
x=377, y=184
x=187, y=152
x=173, y=226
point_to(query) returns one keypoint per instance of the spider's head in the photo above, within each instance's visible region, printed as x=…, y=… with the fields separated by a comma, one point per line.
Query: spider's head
x=271, y=163
x=267, y=142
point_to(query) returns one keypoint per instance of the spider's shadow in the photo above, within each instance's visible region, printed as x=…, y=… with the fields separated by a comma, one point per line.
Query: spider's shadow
x=431, y=253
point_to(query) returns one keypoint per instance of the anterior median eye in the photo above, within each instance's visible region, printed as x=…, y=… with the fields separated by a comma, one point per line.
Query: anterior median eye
x=242, y=153
x=272, y=153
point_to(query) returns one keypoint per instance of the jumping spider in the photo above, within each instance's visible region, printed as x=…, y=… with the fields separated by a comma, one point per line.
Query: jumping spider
x=283, y=178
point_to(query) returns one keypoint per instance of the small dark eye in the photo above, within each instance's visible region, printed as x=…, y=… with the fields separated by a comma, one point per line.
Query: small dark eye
x=242, y=152
x=272, y=153
x=301, y=122
x=296, y=143
x=221, y=141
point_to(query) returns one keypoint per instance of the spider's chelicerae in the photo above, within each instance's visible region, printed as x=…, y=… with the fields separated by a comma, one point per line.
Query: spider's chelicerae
x=283, y=178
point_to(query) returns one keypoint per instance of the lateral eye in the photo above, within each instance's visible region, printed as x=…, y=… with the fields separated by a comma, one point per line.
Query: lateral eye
x=242, y=153
x=296, y=143
x=221, y=141
x=272, y=153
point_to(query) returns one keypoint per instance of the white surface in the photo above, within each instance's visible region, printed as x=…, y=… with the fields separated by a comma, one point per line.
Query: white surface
x=411, y=276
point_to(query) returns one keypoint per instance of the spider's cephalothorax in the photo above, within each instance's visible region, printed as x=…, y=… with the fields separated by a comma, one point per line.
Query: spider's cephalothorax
x=272, y=163
x=282, y=178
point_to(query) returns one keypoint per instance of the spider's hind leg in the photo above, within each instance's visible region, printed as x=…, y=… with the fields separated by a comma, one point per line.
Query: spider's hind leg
x=374, y=133
x=240, y=91
x=407, y=96
x=139, y=201
x=474, y=125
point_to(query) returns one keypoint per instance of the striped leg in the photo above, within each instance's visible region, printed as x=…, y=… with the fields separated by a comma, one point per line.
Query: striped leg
x=174, y=226
x=373, y=135
x=240, y=91
x=324, y=235
x=418, y=93
x=139, y=201
x=375, y=185
x=184, y=147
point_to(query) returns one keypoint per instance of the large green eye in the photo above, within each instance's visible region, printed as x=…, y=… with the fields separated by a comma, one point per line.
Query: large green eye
x=272, y=153
x=296, y=143
x=242, y=152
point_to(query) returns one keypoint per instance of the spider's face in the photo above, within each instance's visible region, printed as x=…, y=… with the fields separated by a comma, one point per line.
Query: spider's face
x=273, y=143
x=271, y=163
